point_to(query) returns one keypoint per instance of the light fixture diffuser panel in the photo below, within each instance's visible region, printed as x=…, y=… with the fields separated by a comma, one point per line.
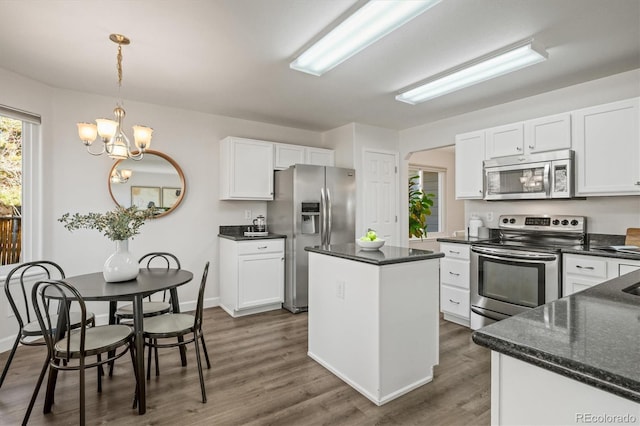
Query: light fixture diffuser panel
x=501, y=62
x=368, y=24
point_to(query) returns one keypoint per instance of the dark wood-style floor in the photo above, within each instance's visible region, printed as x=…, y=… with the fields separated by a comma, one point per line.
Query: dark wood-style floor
x=261, y=375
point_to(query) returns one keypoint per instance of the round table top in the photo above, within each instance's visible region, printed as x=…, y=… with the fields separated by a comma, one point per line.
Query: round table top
x=149, y=280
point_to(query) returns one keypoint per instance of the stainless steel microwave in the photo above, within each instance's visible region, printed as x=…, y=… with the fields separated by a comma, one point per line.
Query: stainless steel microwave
x=546, y=175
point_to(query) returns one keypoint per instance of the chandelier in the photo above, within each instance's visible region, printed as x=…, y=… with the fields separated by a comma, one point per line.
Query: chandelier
x=115, y=143
x=120, y=176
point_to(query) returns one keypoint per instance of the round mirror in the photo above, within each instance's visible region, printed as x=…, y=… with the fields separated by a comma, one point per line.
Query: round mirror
x=155, y=181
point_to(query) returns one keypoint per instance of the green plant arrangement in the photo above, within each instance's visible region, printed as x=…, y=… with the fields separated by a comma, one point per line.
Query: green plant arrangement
x=117, y=225
x=419, y=208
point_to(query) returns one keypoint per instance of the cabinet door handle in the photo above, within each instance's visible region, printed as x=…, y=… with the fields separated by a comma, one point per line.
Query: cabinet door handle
x=453, y=273
x=638, y=183
x=454, y=252
x=454, y=302
x=591, y=268
x=531, y=146
x=518, y=148
x=262, y=247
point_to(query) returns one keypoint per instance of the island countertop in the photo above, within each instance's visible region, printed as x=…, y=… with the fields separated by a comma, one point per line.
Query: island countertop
x=592, y=336
x=385, y=255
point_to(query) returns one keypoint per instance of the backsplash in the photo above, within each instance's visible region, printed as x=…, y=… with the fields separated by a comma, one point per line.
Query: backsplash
x=605, y=215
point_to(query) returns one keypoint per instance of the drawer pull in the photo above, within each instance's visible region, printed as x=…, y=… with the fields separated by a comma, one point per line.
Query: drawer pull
x=262, y=247
x=453, y=273
x=454, y=302
x=454, y=252
x=591, y=268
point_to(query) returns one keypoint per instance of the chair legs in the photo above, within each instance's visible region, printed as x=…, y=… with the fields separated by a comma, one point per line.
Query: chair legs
x=35, y=392
x=11, y=354
x=202, y=389
x=206, y=354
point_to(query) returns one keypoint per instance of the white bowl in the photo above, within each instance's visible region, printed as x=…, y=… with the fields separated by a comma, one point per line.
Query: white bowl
x=370, y=245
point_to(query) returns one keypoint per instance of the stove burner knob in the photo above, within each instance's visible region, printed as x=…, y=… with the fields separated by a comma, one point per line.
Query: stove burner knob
x=574, y=222
x=565, y=222
x=512, y=221
x=505, y=220
x=556, y=222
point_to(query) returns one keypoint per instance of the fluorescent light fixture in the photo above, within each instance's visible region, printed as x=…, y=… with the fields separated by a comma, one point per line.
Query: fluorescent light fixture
x=494, y=64
x=368, y=24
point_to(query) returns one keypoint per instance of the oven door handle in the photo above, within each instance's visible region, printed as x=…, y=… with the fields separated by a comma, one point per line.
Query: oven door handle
x=514, y=254
x=484, y=313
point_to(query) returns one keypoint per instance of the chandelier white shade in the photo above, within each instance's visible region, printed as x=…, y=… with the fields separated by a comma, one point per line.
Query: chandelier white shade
x=494, y=64
x=121, y=175
x=115, y=143
x=368, y=24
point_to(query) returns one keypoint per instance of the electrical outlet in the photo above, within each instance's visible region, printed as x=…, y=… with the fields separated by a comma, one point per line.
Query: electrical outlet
x=247, y=214
x=489, y=216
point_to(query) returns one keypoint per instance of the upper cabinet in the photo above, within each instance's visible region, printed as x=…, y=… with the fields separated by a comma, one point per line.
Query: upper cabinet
x=247, y=165
x=529, y=137
x=547, y=133
x=469, y=157
x=505, y=140
x=287, y=155
x=606, y=140
x=246, y=169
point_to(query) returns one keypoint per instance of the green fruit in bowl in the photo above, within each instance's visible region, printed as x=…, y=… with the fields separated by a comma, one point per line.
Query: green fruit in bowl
x=371, y=235
x=364, y=239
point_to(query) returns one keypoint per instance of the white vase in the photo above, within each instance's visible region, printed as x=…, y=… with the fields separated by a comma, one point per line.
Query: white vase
x=120, y=266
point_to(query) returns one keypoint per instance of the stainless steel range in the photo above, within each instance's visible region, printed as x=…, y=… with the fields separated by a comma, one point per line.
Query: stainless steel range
x=522, y=269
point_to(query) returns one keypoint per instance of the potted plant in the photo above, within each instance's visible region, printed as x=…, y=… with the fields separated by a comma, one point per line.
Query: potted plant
x=118, y=225
x=419, y=208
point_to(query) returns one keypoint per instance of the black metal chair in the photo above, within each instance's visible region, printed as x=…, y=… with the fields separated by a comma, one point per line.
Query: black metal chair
x=150, y=307
x=29, y=330
x=69, y=347
x=178, y=325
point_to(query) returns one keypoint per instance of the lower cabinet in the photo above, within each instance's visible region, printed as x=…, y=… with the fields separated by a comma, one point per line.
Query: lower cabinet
x=582, y=272
x=454, y=282
x=251, y=275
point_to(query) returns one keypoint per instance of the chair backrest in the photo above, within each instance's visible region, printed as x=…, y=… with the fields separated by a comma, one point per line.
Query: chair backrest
x=164, y=258
x=25, y=272
x=54, y=328
x=200, y=304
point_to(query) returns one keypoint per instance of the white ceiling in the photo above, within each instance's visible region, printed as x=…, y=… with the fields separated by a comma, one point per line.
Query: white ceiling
x=231, y=57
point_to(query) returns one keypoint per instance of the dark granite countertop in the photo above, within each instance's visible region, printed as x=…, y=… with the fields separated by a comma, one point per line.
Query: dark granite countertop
x=465, y=240
x=598, y=251
x=385, y=255
x=236, y=233
x=592, y=336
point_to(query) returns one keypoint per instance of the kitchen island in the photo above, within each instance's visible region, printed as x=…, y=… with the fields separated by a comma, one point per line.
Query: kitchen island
x=373, y=317
x=575, y=360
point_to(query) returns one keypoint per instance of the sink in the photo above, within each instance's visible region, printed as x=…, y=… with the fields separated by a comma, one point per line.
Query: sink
x=634, y=289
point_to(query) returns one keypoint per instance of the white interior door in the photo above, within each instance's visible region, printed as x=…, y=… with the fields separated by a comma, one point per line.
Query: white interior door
x=381, y=195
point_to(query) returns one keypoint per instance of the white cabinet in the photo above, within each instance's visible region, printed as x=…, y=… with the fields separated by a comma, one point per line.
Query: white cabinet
x=287, y=155
x=319, y=156
x=251, y=275
x=454, y=282
x=246, y=169
x=582, y=272
x=469, y=157
x=547, y=133
x=606, y=140
x=538, y=135
x=505, y=140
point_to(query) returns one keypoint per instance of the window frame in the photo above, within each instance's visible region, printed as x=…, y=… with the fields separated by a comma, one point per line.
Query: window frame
x=32, y=187
x=442, y=178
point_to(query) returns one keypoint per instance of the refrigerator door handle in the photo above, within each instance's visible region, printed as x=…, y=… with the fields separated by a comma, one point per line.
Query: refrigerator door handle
x=329, y=208
x=323, y=215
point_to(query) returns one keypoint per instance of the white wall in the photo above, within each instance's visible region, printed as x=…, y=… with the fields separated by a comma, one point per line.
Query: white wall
x=74, y=181
x=599, y=210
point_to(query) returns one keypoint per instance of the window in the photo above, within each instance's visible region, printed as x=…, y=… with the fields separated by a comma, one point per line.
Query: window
x=20, y=187
x=431, y=181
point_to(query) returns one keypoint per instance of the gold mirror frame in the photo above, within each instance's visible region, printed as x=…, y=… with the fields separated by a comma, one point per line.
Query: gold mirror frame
x=133, y=163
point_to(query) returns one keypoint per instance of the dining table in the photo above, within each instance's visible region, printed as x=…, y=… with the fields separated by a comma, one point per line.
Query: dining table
x=93, y=287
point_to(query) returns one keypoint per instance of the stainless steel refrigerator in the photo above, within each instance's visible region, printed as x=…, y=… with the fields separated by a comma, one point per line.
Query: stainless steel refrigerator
x=312, y=206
